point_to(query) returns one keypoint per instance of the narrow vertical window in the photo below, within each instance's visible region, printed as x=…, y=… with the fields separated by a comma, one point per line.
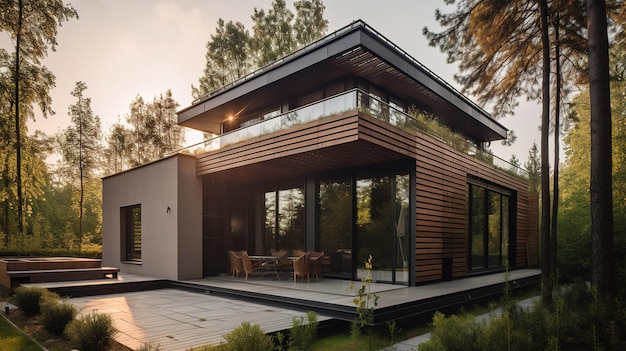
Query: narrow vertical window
x=130, y=218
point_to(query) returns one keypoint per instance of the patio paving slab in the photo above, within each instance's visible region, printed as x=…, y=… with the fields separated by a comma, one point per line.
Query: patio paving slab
x=179, y=320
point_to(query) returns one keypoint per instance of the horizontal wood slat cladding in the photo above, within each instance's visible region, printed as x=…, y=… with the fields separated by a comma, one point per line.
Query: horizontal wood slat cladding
x=354, y=139
x=301, y=142
x=319, y=134
x=442, y=205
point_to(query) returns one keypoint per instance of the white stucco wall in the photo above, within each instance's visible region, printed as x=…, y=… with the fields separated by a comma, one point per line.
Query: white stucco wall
x=171, y=241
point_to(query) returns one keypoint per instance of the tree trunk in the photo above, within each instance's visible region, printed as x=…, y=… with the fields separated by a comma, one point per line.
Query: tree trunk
x=546, y=268
x=603, y=276
x=557, y=142
x=18, y=136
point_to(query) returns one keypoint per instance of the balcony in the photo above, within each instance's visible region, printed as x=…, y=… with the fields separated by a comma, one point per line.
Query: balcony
x=354, y=101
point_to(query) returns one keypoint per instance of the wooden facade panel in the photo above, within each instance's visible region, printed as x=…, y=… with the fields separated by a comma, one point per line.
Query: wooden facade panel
x=442, y=204
x=441, y=173
x=299, y=139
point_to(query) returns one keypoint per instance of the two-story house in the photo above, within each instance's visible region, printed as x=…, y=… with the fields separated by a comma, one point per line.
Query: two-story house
x=348, y=146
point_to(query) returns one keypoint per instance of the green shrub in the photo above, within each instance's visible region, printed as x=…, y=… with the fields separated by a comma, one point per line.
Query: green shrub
x=301, y=334
x=149, y=347
x=248, y=337
x=92, y=332
x=453, y=333
x=56, y=314
x=27, y=298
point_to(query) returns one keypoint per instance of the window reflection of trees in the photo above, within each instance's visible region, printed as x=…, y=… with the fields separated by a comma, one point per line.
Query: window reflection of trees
x=382, y=224
x=335, y=225
x=284, y=219
x=489, y=228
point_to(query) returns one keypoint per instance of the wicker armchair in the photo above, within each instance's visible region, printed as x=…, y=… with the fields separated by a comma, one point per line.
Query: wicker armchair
x=248, y=267
x=301, y=268
x=316, y=259
x=236, y=265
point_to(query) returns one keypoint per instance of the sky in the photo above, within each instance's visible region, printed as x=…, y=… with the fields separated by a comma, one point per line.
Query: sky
x=122, y=49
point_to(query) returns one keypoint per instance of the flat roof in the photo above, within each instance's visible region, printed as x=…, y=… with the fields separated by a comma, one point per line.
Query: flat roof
x=357, y=50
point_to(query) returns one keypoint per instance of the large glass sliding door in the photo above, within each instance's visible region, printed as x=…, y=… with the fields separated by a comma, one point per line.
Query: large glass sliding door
x=354, y=217
x=284, y=219
x=375, y=229
x=382, y=225
x=489, y=228
x=335, y=225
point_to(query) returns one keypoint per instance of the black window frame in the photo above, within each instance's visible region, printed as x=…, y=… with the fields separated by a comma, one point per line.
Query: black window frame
x=131, y=233
x=489, y=190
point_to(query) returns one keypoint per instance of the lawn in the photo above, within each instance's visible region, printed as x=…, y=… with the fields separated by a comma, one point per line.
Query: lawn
x=13, y=339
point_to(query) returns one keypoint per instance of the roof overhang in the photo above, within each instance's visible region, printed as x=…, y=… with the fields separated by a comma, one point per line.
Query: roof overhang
x=355, y=50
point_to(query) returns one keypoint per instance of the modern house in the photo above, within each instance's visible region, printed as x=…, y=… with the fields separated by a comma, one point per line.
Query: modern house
x=348, y=146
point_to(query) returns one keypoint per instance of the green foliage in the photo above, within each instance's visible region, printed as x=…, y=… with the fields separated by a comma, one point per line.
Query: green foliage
x=452, y=333
x=51, y=253
x=13, y=339
x=302, y=334
x=249, y=338
x=232, y=52
x=153, y=133
x=151, y=347
x=574, y=226
x=92, y=332
x=575, y=320
x=32, y=27
x=56, y=314
x=367, y=300
x=28, y=299
x=533, y=167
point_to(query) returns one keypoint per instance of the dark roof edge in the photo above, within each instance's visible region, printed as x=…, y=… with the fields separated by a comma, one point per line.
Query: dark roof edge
x=355, y=25
x=303, y=50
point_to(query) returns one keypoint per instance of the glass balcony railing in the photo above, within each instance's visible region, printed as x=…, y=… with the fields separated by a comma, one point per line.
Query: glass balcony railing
x=332, y=106
x=353, y=100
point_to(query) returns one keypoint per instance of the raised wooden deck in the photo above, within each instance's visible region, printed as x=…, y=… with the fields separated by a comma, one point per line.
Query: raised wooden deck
x=182, y=314
x=327, y=296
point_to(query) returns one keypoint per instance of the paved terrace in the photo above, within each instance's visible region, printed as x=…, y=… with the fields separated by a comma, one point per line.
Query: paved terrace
x=180, y=315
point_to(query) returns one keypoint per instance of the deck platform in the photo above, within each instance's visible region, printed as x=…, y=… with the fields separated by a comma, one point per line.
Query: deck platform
x=181, y=314
x=330, y=297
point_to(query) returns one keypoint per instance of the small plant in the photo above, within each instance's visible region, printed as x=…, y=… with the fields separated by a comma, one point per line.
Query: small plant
x=28, y=298
x=393, y=330
x=366, y=300
x=249, y=338
x=302, y=334
x=92, y=332
x=149, y=347
x=365, y=304
x=56, y=314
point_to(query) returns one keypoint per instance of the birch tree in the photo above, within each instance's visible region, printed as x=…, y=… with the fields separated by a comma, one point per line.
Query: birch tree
x=81, y=147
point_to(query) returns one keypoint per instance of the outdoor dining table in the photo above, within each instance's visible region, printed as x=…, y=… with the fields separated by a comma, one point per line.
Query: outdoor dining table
x=271, y=263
